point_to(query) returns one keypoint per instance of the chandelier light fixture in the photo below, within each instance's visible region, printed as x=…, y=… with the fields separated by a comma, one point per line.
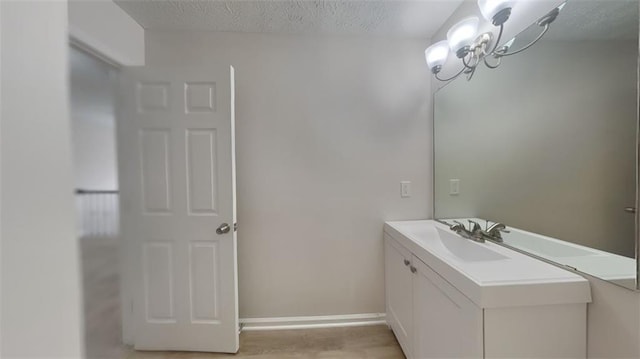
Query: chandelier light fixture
x=472, y=49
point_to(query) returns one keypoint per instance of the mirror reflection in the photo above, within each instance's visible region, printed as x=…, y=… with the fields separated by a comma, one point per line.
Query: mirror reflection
x=546, y=143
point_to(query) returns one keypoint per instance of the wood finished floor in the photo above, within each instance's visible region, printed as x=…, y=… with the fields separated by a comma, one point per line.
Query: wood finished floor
x=101, y=286
x=371, y=342
x=103, y=333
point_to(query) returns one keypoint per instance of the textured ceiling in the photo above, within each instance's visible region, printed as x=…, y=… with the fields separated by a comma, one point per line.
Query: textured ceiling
x=593, y=20
x=383, y=17
x=599, y=20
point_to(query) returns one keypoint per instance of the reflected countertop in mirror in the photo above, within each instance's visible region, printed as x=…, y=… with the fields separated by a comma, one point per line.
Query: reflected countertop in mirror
x=547, y=142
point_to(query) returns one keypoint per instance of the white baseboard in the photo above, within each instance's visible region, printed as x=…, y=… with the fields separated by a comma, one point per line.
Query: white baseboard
x=325, y=321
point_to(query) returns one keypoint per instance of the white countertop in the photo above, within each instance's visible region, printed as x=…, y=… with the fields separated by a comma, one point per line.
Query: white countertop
x=490, y=275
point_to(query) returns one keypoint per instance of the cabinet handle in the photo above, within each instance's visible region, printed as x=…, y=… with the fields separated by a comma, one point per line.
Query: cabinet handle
x=406, y=262
x=413, y=269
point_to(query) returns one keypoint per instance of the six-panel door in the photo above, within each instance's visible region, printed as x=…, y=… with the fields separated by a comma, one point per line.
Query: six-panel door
x=176, y=155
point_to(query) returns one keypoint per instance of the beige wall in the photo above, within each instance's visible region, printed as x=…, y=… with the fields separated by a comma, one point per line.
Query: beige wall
x=545, y=143
x=40, y=301
x=327, y=127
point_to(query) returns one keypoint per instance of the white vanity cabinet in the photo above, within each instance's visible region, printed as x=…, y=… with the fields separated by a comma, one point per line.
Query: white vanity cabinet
x=399, y=282
x=430, y=318
x=458, y=332
x=444, y=299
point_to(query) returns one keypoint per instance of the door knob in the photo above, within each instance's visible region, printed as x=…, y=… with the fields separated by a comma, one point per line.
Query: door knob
x=630, y=209
x=224, y=228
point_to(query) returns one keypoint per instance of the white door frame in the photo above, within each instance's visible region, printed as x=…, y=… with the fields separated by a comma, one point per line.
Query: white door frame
x=105, y=30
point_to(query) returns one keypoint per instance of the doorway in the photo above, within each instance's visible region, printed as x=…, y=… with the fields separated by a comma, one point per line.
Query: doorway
x=97, y=201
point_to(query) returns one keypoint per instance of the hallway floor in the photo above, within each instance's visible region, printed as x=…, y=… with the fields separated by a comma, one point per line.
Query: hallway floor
x=101, y=285
x=371, y=342
x=103, y=329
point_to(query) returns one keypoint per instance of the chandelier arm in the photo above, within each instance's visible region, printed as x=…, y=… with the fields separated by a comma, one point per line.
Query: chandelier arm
x=470, y=74
x=493, y=66
x=467, y=65
x=452, y=77
x=495, y=45
x=544, y=31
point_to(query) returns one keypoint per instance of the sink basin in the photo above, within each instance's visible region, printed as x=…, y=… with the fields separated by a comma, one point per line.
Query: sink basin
x=467, y=250
x=536, y=244
x=545, y=248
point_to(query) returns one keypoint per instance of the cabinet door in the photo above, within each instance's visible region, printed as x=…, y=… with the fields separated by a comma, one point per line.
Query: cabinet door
x=398, y=288
x=446, y=323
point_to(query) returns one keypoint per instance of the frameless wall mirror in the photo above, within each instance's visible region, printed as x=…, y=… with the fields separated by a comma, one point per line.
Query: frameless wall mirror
x=547, y=142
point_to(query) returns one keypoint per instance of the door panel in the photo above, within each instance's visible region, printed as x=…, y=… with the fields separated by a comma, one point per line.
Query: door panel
x=176, y=154
x=202, y=171
x=204, y=282
x=154, y=153
x=158, y=282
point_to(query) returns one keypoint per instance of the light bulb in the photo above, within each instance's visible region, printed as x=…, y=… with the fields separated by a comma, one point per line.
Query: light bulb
x=462, y=35
x=436, y=55
x=491, y=8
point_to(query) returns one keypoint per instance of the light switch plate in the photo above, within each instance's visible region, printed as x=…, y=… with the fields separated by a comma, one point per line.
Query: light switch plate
x=454, y=187
x=405, y=189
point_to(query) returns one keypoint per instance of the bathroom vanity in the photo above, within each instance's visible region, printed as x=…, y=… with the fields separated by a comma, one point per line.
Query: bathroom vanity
x=447, y=296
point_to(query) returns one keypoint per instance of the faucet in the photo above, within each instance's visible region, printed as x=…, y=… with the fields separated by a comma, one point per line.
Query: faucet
x=457, y=227
x=475, y=232
x=494, y=232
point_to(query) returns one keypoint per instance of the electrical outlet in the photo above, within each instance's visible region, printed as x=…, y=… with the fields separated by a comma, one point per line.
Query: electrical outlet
x=405, y=189
x=454, y=187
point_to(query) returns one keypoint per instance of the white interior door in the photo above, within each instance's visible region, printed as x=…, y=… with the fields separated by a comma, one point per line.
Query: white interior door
x=177, y=180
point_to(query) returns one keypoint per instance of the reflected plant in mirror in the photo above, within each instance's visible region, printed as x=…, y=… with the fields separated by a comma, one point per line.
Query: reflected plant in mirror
x=547, y=142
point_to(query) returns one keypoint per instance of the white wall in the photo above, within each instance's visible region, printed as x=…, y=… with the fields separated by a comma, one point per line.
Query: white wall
x=104, y=28
x=327, y=127
x=92, y=123
x=39, y=263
